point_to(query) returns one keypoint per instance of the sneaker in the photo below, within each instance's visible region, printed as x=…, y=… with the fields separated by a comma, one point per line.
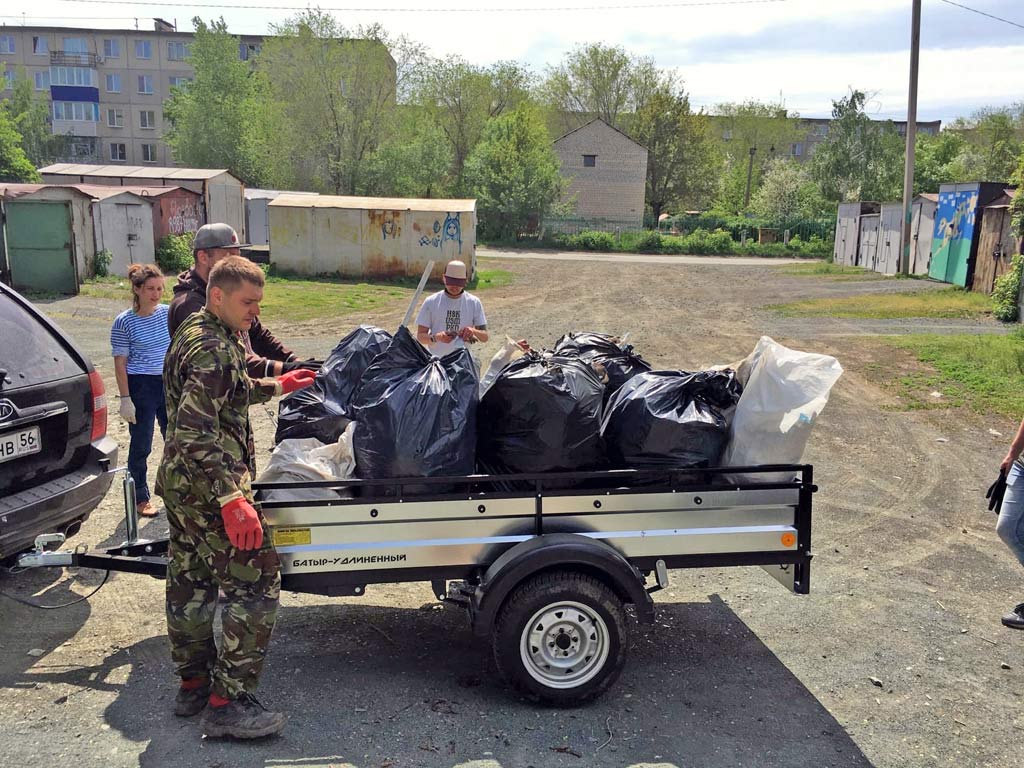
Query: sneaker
x=190, y=701
x=241, y=718
x=1015, y=618
x=145, y=509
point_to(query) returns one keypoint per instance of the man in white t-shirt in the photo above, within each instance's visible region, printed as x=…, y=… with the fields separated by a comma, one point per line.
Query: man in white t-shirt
x=452, y=318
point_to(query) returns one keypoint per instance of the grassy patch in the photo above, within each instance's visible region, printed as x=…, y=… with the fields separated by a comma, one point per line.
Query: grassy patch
x=943, y=303
x=984, y=372
x=491, y=278
x=285, y=298
x=827, y=268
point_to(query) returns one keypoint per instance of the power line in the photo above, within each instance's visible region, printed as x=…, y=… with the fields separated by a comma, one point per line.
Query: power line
x=619, y=7
x=982, y=13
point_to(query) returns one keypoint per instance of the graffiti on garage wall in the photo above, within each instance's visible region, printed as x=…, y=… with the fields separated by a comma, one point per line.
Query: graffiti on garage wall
x=184, y=219
x=450, y=230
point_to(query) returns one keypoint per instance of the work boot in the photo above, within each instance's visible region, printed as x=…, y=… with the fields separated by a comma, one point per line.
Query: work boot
x=190, y=701
x=241, y=718
x=1015, y=618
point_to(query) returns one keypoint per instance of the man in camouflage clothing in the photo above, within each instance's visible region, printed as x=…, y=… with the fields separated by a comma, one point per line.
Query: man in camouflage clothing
x=218, y=540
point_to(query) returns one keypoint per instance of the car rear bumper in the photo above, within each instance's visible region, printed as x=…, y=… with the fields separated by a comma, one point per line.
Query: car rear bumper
x=53, y=506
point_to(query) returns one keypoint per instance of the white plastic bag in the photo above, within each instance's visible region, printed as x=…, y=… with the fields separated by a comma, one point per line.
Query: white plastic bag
x=309, y=459
x=783, y=396
x=509, y=351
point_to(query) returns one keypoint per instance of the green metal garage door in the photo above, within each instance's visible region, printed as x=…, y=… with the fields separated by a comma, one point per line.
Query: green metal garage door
x=39, y=246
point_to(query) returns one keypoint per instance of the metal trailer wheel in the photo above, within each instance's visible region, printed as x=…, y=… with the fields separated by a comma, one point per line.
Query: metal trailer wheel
x=561, y=638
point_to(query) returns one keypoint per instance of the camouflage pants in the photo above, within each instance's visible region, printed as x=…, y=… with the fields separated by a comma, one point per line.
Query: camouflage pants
x=202, y=563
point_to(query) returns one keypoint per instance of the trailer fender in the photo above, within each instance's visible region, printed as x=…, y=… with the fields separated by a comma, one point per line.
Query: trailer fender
x=551, y=551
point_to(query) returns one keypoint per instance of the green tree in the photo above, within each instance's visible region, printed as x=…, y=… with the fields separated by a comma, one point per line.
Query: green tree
x=861, y=159
x=682, y=157
x=937, y=160
x=331, y=92
x=993, y=141
x=461, y=98
x=788, y=192
x=514, y=173
x=31, y=116
x=412, y=160
x=212, y=121
x=14, y=163
x=752, y=134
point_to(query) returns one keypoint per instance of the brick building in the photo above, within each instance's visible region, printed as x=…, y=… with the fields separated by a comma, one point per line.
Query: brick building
x=607, y=174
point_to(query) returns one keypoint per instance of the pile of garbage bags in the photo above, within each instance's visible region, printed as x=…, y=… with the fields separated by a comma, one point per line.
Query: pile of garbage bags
x=384, y=407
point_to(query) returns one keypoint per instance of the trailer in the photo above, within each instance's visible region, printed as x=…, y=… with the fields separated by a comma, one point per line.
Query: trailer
x=544, y=565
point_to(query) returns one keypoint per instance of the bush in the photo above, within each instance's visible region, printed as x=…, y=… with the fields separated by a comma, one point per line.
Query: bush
x=592, y=241
x=101, y=263
x=1007, y=290
x=648, y=242
x=174, y=253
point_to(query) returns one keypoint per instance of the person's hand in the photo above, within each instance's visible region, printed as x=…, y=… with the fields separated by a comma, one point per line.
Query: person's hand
x=127, y=409
x=242, y=524
x=299, y=365
x=444, y=337
x=294, y=380
x=1006, y=463
x=524, y=345
x=468, y=334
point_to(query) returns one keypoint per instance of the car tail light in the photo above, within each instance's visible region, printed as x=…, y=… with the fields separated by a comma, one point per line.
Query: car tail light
x=99, y=407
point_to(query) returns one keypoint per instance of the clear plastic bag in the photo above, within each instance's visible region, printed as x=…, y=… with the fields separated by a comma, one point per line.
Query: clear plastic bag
x=306, y=459
x=508, y=353
x=783, y=395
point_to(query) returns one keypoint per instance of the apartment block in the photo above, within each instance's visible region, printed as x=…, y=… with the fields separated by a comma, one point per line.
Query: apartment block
x=106, y=87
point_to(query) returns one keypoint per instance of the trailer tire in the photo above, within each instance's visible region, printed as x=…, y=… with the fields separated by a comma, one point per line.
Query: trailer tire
x=561, y=638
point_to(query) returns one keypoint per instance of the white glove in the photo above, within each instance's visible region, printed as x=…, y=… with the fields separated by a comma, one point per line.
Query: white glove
x=127, y=409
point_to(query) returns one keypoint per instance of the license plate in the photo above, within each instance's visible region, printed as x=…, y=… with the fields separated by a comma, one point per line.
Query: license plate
x=16, y=444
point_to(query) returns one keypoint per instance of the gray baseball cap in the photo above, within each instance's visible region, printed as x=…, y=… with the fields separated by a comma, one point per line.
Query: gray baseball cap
x=216, y=236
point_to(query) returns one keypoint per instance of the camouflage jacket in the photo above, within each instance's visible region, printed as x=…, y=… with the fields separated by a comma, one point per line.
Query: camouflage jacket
x=209, y=453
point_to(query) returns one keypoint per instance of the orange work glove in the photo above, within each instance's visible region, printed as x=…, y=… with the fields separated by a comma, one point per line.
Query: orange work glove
x=294, y=380
x=242, y=524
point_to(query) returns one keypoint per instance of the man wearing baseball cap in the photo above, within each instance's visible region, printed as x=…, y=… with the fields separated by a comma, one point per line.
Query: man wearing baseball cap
x=265, y=356
x=452, y=318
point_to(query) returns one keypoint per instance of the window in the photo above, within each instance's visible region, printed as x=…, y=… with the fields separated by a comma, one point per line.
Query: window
x=112, y=48
x=75, y=45
x=147, y=119
x=8, y=79
x=727, y=134
x=40, y=46
x=149, y=153
x=145, y=83
x=76, y=110
x=70, y=76
x=796, y=150
x=113, y=83
x=115, y=118
x=7, y=44
x=43, y=80
x=118, y=152
x=176, y=51
x=179, y=82
x=247, y=50
x=143, y=49
x=589, y=161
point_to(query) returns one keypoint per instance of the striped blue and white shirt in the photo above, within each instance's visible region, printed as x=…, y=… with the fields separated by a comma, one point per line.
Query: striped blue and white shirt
x=143, y=340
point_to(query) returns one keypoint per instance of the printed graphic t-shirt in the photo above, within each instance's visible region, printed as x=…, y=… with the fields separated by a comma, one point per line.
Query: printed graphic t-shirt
x=440, y=312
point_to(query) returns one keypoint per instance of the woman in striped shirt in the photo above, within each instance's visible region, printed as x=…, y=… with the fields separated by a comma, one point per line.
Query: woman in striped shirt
x=139, y=340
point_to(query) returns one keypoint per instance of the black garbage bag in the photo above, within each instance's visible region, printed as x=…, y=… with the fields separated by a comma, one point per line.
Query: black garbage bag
x=415, y=414
x=671, y=419
x=620, y=363
x=322, y=410
x=542, y=414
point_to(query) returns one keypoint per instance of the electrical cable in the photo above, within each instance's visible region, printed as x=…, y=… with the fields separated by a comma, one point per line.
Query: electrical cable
x=616, y=7
x=983, y=13
x=32, y=604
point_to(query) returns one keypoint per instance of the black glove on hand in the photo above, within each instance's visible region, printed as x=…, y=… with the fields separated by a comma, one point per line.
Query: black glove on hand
x=995, y=492
x=295, y=365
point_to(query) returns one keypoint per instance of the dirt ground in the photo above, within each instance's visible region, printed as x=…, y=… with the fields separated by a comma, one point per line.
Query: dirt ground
x=896, y=658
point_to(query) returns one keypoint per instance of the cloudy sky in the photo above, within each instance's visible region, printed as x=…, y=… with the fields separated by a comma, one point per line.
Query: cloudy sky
x=807, y=52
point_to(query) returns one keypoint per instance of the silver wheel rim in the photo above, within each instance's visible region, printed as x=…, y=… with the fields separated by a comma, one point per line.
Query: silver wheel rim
x=564, y=645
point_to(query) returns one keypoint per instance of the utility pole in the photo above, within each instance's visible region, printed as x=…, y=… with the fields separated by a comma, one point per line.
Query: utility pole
x=908, y=168
x=750, y=172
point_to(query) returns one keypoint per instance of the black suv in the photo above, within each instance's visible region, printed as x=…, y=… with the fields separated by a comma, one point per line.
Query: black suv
x=54, y=449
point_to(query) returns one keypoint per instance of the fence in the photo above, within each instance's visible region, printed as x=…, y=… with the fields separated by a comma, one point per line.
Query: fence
x=571, y=225
x=736, y=226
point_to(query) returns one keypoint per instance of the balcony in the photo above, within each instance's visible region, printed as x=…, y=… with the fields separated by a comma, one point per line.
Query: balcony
x=65, y=59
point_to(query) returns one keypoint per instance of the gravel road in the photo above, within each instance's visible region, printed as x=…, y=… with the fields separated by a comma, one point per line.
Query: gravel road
x=896, y=658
